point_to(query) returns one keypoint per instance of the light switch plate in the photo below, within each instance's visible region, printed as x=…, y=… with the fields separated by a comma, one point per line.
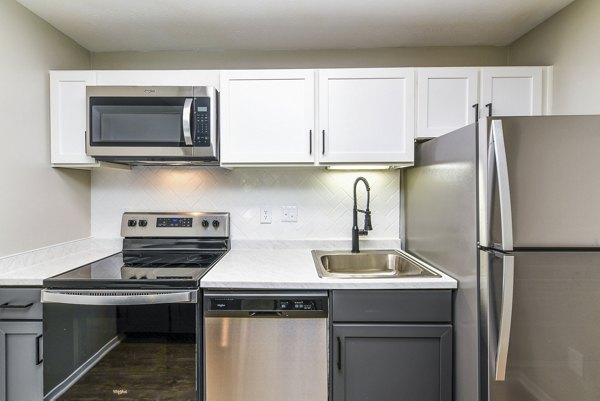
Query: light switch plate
x=266, y=215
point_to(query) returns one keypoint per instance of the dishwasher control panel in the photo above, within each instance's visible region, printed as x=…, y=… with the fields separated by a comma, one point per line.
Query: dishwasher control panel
x=298, y=305
x=264, y=304
x=259, y=305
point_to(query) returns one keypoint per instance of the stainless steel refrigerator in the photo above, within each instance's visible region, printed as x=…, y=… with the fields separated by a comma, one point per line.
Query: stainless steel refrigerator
x=510, y=207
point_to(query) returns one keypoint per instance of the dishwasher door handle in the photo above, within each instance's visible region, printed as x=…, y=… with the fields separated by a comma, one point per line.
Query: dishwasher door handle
x=266, y=314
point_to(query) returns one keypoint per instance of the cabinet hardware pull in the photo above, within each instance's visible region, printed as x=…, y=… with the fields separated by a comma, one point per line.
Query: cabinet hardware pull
x=310, y=142
x=323, y=150
x=339, y=359
x=489, y=107
x=38, y=360
x=7, y=306
x=476, y=107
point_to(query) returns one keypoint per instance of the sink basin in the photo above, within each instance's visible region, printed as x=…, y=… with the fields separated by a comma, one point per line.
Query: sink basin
x=369, y=264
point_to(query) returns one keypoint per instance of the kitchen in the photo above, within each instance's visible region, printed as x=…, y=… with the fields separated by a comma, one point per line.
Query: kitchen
x=78, y=212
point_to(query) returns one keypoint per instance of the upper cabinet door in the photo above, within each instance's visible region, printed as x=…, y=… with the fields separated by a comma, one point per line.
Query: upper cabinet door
x=511, y=91
x=68, y=116
x=366, y=115
x=445, y=99
x=267, y=116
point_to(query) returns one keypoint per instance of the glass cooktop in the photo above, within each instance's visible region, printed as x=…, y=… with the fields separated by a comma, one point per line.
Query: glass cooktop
x=161, y=270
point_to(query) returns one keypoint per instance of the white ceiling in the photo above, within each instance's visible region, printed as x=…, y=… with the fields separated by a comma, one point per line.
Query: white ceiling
x=147, y=25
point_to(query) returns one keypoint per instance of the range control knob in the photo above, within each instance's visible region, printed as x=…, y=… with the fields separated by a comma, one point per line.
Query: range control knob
x=205, y=223
x=131, y=223
x=143, y=223
x=216, y=223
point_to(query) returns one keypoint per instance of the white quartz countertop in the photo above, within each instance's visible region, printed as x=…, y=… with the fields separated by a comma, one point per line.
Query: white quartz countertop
x=294, y=269
x=286, y=265
x=31, y=268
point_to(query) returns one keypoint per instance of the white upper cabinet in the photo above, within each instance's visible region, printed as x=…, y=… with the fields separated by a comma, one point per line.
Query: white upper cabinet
x=267, y=116
x=312, y=117
x=445, y=99
x=511, y=91
x=366, y=115
x=158, y=78
x=68, y=117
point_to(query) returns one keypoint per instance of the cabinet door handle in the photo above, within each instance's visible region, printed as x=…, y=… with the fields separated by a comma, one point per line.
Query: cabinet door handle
x=489, y=107
x=310, y=142
x=38, y=360
x=323, y=149
x=7, y=306
x=339, y=358
x=476, y=107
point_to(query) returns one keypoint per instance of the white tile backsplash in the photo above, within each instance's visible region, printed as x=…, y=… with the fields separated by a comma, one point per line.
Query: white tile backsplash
x=323, y=198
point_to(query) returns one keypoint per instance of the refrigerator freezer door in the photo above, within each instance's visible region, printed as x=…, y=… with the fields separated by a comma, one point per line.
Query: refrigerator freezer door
x=553, y=168
x=553, y=351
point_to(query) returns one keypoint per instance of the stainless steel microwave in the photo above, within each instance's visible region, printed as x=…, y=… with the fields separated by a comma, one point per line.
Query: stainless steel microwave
x=153, y=125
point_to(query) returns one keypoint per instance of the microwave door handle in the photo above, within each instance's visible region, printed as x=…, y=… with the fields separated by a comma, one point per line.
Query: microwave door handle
x=186, y=121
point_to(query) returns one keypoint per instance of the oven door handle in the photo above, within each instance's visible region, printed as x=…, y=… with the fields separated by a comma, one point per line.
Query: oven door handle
x=117, y=297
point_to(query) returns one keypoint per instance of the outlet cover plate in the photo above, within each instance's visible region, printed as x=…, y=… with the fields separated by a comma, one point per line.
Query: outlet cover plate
x=289, y=214
x=266, y=215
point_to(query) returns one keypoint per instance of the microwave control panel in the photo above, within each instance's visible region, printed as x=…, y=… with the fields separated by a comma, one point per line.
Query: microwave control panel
x=202, y=121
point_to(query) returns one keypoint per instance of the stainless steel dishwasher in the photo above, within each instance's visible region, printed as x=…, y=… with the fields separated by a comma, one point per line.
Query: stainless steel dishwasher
x=266, y=346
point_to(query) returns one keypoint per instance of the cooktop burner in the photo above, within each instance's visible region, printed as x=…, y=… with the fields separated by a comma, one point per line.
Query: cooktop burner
x=160, y=250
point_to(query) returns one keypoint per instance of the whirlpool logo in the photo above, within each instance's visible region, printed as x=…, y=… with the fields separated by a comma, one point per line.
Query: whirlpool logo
x=120, y=391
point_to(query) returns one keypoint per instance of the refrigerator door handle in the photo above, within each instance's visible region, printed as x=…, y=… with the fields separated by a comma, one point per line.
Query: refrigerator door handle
x=506, y=308
x=497, y=137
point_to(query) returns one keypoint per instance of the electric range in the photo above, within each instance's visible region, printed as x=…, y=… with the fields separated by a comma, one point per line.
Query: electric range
x=130, y=325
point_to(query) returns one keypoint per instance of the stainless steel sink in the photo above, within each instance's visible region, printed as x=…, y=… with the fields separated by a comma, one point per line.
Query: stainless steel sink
x=369, y=264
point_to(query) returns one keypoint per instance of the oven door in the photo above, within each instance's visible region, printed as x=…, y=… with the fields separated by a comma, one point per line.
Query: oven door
x=131, y=344
x=140, y=121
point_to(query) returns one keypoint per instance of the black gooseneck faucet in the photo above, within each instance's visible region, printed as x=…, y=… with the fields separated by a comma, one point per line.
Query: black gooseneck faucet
x=355, y=231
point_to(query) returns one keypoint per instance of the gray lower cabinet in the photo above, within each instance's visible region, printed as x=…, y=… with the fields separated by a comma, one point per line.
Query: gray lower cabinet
x=383, y=362
x=391, y=345
x=21, y=373
x=21, y=345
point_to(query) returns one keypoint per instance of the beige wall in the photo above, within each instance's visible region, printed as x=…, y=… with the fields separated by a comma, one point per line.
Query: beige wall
x=570, y=41
x=39, y=206
x=388, y=57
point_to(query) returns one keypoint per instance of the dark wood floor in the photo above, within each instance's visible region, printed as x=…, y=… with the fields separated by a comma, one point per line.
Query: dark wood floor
x=140, y=371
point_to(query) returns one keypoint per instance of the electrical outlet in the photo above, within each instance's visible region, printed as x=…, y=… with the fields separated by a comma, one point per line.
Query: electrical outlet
x=575, y=361
x=266, y=215
x=293, y=214
x=289, y=214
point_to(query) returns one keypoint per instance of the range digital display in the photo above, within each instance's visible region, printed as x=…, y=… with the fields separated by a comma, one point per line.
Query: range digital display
x=174, y=222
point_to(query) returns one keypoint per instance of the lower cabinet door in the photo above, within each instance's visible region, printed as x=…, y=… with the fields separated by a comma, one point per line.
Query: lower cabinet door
x=21, y=372
x=380, y=362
